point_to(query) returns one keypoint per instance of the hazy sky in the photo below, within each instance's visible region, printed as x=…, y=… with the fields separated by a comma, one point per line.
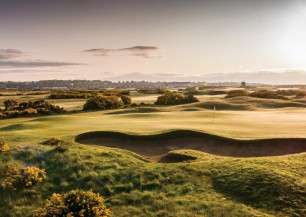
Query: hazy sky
x=151, y=40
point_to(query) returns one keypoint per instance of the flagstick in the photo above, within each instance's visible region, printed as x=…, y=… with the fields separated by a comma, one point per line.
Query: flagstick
x=214, y=115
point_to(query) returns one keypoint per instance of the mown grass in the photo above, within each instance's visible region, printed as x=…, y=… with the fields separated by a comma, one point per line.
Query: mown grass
x=234, y=124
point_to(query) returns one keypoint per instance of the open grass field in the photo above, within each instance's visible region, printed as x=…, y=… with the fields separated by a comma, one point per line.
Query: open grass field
x=192, y=183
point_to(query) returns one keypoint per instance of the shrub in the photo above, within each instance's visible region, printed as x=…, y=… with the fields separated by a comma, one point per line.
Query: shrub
x=17, y=178
x=9, y=104
x=100, y=102
x=215, y=92
x=300, y=95
x=53, y=141
x=235, y=93
x=175, y=99
x=152, y=91
x=125, y=93
x=29, y=112
x=61, y=147
x=3, y=146
x=14, y=110
x=266, y=94
x=76, y=203
x=126, y=100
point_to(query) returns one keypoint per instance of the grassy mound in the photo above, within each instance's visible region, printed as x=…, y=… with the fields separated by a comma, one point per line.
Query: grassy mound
x=131, y=186
x=261, y=186
x=222, y=105
x=138, y=110
x=244, y=103
x=265, y=103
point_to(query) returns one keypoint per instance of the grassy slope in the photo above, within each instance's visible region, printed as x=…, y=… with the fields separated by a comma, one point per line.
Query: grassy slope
x=207, y=186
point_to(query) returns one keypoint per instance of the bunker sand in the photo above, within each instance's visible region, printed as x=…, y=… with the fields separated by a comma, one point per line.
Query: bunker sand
x=155, y=147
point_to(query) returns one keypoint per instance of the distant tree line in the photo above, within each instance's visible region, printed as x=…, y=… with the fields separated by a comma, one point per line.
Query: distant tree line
x=83, y=94
x=92, y=84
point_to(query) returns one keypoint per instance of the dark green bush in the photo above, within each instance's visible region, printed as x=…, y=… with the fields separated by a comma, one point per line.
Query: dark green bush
x=126, y=100
x=100, y=102
x=175, y=99
x=266, y=94
x=235, y=93
x=25, y=109
x=152, y=91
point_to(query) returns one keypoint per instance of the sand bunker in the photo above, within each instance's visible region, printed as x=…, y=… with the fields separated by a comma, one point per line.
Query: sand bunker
x=155, y=147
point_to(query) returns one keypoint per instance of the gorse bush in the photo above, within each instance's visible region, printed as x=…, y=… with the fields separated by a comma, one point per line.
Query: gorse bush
x=175, y=99
x=76, y=203
x=3, y=146
x=101, y=102
x=31, y=108
x=17, y=178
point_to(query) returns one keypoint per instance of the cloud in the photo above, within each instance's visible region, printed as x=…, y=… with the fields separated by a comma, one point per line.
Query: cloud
x=141, y=51
x=35, y=63
x=27, y=71
x=8, y=60
x=10, y=53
